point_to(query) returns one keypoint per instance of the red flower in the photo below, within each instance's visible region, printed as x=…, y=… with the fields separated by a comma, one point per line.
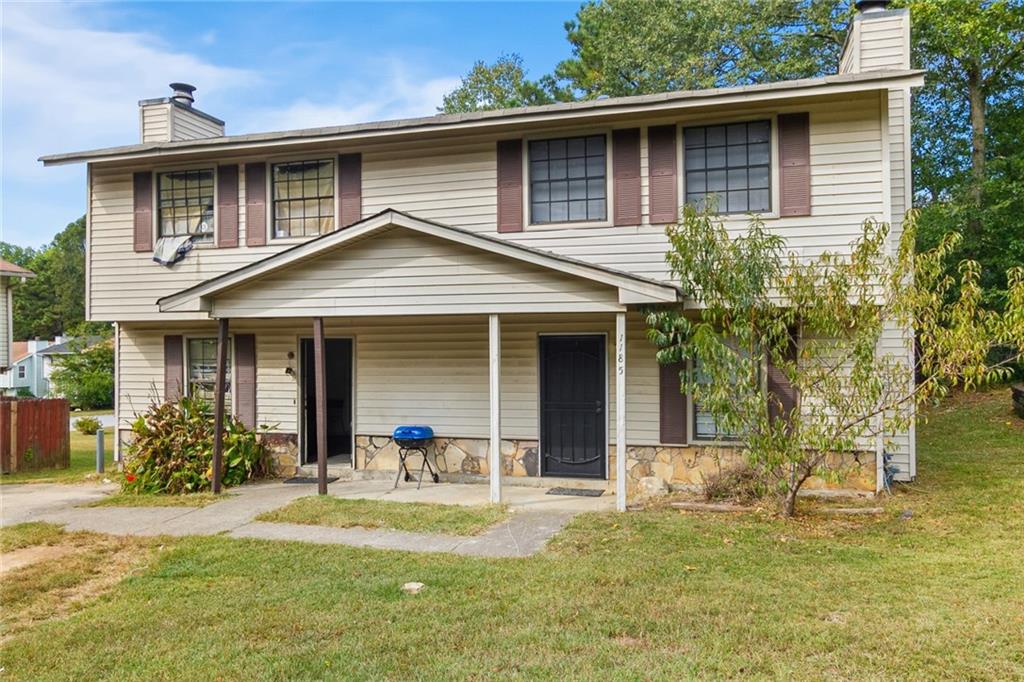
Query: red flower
x=129, y=477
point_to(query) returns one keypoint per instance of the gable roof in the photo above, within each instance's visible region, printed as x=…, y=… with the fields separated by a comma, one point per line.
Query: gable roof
x=12, y=270
x=595, y=109
x=640, y=289
x=71, y=345
x=19, y=351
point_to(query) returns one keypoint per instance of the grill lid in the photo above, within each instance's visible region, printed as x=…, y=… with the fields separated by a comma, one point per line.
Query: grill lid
x=412, y=433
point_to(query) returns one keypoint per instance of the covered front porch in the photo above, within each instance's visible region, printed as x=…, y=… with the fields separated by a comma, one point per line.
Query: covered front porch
x=516, y=357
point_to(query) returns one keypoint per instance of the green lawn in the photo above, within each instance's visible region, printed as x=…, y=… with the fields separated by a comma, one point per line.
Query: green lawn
x=83, y=463
x=416, y=517
x=647, y=595
x=132, y=500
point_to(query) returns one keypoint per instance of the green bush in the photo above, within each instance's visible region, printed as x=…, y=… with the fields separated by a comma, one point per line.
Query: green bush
x=172, y=450
x=86, y=377
x=88, y=426
x=25, y=392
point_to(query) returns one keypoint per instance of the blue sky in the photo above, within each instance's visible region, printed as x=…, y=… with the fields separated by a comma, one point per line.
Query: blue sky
x=73, y=73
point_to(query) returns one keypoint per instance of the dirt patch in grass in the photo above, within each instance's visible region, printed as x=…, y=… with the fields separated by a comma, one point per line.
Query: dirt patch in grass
x=415, y=517
x=61, y=573
x=131, y=500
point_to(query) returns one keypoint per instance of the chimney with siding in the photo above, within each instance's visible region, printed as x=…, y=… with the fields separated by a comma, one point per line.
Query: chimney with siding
x=169, y=119
x=878, y=39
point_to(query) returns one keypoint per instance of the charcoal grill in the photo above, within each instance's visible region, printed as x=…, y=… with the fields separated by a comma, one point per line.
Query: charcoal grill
x=413, y=440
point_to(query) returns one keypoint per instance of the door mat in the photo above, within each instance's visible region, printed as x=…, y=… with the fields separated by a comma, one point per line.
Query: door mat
x=309, y=479
x=578, y=492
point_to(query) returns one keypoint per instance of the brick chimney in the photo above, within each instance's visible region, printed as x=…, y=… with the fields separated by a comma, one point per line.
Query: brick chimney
x=878, y=39
x=169, y=119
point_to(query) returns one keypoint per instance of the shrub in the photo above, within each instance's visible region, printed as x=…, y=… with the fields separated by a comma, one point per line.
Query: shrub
x=86, y=377
x=25, y=392
x=742, y=484
x=88, y=426
x=172, y=450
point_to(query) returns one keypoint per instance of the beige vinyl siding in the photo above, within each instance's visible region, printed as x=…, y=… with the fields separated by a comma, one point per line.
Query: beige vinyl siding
x=400, y=272
x=884, y=41
x=187, y=125
x=432, y=370
x=5, y=322
x=454, y=183
x=155, y=123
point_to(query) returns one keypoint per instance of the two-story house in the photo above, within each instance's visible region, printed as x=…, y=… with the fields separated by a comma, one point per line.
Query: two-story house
x=482, y=273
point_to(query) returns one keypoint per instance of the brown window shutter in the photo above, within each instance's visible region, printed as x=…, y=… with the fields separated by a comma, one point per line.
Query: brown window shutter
x=672, y=404
x=142, y=192
x=661, y=155
x=510, y=185
x=795, y=164
x=245, y=379
x=350, y=188
x=779, y=387
x=255, y=204
x=174, y=367
x=227, y=206
x=626, y=176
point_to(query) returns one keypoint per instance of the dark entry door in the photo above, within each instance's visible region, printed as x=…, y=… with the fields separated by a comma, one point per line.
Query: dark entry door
x=572, y=406
x=338, y=353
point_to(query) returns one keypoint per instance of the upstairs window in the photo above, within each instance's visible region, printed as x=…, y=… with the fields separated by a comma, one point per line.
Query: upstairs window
x=568, y=180
x=185, y=204
x=202, y=372
x=732, y=163
x=303, y=194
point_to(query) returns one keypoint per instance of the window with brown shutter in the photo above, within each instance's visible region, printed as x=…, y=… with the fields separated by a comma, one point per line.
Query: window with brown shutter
x=672, y=404
x=350, y=189
x=227, y=206
x=626, y=176
x=255, y=204
x=794, y=164
x=510, y=185
x=142, y=197
x=661, y=155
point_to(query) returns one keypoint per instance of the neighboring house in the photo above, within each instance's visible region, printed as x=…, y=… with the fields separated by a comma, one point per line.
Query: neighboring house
x=10, y=276
x=482, y=273
x=35, y=360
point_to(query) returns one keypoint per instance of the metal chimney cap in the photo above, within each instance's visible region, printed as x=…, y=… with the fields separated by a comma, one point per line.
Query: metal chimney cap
x=865, y=6
x=183, y=93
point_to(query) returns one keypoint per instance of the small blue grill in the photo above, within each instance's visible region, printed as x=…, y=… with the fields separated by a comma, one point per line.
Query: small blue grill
x=413, y=440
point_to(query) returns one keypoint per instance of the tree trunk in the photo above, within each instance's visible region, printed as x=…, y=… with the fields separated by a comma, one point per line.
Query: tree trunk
x=976, y=99
x=789, y=503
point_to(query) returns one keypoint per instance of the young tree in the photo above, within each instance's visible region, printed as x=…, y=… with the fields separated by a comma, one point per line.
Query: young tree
x=815, y=328
x=86, y=376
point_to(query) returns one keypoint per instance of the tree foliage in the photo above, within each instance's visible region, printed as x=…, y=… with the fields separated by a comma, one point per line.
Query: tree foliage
x=52, y=302
x=86, y=376
x=758, y=303
x=501, y=85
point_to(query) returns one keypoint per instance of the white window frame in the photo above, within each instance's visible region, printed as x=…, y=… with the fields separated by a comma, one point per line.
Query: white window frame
x=609, y=186
x=691, y=412
x=231, y=375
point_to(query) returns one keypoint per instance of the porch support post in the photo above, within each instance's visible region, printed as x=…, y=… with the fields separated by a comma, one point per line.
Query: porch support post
x=220, y=388
x=620, y=411
x=320, y=390
x=494, y=345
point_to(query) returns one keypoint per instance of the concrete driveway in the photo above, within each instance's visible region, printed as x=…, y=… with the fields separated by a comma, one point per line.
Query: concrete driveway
x=24, y=502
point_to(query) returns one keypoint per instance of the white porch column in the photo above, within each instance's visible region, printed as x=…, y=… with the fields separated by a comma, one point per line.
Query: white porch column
x=620, y=411
x=494, y=344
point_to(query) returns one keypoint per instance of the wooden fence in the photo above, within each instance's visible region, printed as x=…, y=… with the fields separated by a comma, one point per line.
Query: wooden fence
x=34, y=434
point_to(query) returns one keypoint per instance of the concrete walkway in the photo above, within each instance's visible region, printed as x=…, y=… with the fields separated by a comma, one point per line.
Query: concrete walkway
x=535, y=517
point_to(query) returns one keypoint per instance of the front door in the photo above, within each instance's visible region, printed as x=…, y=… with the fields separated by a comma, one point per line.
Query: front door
x=338, y=354
x=572, y=406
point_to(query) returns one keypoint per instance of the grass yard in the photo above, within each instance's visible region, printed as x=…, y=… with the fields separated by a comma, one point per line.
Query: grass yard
x=647, y=595
x=414, y=517
x=83, y=463
x=131, y=500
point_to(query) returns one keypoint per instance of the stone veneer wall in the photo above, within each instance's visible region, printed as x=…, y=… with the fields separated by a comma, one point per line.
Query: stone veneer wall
x=679, y=467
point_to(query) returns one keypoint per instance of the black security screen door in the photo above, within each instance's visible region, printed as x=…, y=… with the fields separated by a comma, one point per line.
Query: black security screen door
x=572, y=406
x=338, y=353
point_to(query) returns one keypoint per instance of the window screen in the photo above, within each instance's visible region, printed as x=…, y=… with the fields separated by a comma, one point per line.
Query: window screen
x=568, y=180
x=185, y=204
x=303, y=198
x=732, y=164
x=202, y=372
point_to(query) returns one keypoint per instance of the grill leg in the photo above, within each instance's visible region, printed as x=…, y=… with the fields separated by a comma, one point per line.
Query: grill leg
x=401, y=466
